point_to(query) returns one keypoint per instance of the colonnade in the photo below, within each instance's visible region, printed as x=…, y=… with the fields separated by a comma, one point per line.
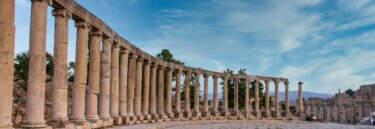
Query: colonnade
x=121, y=85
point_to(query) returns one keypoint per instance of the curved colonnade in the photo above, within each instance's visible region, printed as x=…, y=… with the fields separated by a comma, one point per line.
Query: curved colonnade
x=122, y=85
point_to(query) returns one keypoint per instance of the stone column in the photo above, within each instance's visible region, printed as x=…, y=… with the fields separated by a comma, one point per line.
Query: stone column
x=94, y=76
x=287, y=98
x=257, y=111
x=300, y=99
x=178, y=94
x=235, y=81
x=37, y=66
x=114, y=101
x=131, y=85
x=153, y=92
x=206, y=113
x=123, y=81
x=161, y=91
x=105, y=81
x=225, y=96
x=146, y=91
x=138, y=89
x=267, y=97
x=7, y=34
x=277, y=112
x=169, y=92
x=187, y=112
x=80, y=74
x=60, y=67
x=216, y=98
x=196, y=112
x=247, y=108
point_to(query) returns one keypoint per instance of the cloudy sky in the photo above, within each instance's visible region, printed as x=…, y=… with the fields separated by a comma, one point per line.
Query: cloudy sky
x=327, y=44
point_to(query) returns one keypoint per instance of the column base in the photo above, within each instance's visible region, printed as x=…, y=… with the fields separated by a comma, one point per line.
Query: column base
x=225, y=114
x=206, y=114
x=147, y=117
x=34, y=124
x=139, y=117
x=258, y=115
x=61, y=124
x=196, y=114
x=107, y=122
x=247, y=114
x=117, y=120
x=170, y=115
x=188, y=115
x=178, y=115
x=268, y=114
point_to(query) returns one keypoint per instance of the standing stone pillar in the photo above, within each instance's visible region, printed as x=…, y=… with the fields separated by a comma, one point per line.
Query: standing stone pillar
x=94, y=76
x=300, y=100
x=153, y=92
x=187, y=112
x=206, y=113
x=161, y=92
x=7, y=34
x=123, y=82
x=35, y=98
x=247, y=107
x=169, y=92
x=178, y=94
x=225, y=96
x=257, y=111
x=131, y=86
x=60, y=67
x=235, y=80
x=287, y=98
x=267, y=97
x=105, y=81
x=277, y=112
x=80, y=74
x=114, y=102
x=196, y=112
x=138, y=89
x=216, y=98
x=146, y=91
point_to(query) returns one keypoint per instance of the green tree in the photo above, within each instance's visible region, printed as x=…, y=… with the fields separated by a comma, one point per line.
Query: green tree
x=21, y=68
x=350, y=92
x=71, y=70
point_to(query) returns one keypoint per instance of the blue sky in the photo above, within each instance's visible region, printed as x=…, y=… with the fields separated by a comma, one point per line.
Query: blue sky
x=328, y=44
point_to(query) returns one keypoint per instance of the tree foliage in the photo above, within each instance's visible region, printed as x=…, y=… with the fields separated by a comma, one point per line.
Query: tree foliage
x=350, y=92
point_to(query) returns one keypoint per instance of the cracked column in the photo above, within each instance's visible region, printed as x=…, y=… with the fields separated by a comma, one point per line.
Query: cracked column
x=153, y=92
x=94, y=76
x=105, y=81
x=225, y=96
x=196, y=112
x=178, y=94
x=146, y=90
x=7, y=35
x=205, y=111
x=80, y=74
x=287, y=98
x=187, y=112
x=161, y=92
x=169, y=92
x=257, y=111
x=35, y=98
x=216, y=98
x=235, y=80
x=300, y=99
x=131, y=86
x=277, y=112
x=138, y=89
x=114, y=101
x=60, y=67
x=267, y=97
x=123, y=82
x=247, y=108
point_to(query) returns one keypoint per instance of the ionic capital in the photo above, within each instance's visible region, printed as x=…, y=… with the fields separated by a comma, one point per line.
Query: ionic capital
x=276, y=82
x=146, y=62
x=115, y=45
x=300, y=82
x=49, y=2
x=139, y=59
x=286, y=82
x=82, y=24
x=124, y=51
x=178, y=71
x=206, y=75
x=96, y=33
x=62, y=13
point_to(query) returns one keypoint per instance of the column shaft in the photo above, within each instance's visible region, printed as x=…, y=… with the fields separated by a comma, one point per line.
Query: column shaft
x=153, y=90
x=235, y=80
x=258, y=113
x=169, y=92
x=287, y=98
x=267, y=97
x=37, y=66
x=80, y=73
x=225, y=96
x=216, y=98
x=60, y=66
x=205, y=97
x=123, y=81
x=196, y=95
x=161, y=91
x=146, y=89
x=114, y=102
x=187, y=93
x=138, y=88
x=105, y=81
x=300, y=99
x=178, y=91
x=277, y=98
x=247, y=108
x=7, y=35
x=131, y=84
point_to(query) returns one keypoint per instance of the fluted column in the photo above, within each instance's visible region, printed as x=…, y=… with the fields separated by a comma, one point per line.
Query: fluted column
x=216, y=98
x=277, y=112
x=300, y=99
x=287, y=98
x=247, y=108
x=94, y=76
x=60, y=66
x=206, y=113
x=235, y=81
x=169, y=92
x=267, y=97
x=35, y=98
x=178, y=94
x=138, y=89
x=114, y=101
x=123, y=81
x=187, y=112
x=105, y=81
x=225, y=96
x=196, y=112
x=161, y=91
x=257, y=111
x=146, y=90
x=153, y=92
x=7, y=34
x=131, y=84
x=80, y=74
